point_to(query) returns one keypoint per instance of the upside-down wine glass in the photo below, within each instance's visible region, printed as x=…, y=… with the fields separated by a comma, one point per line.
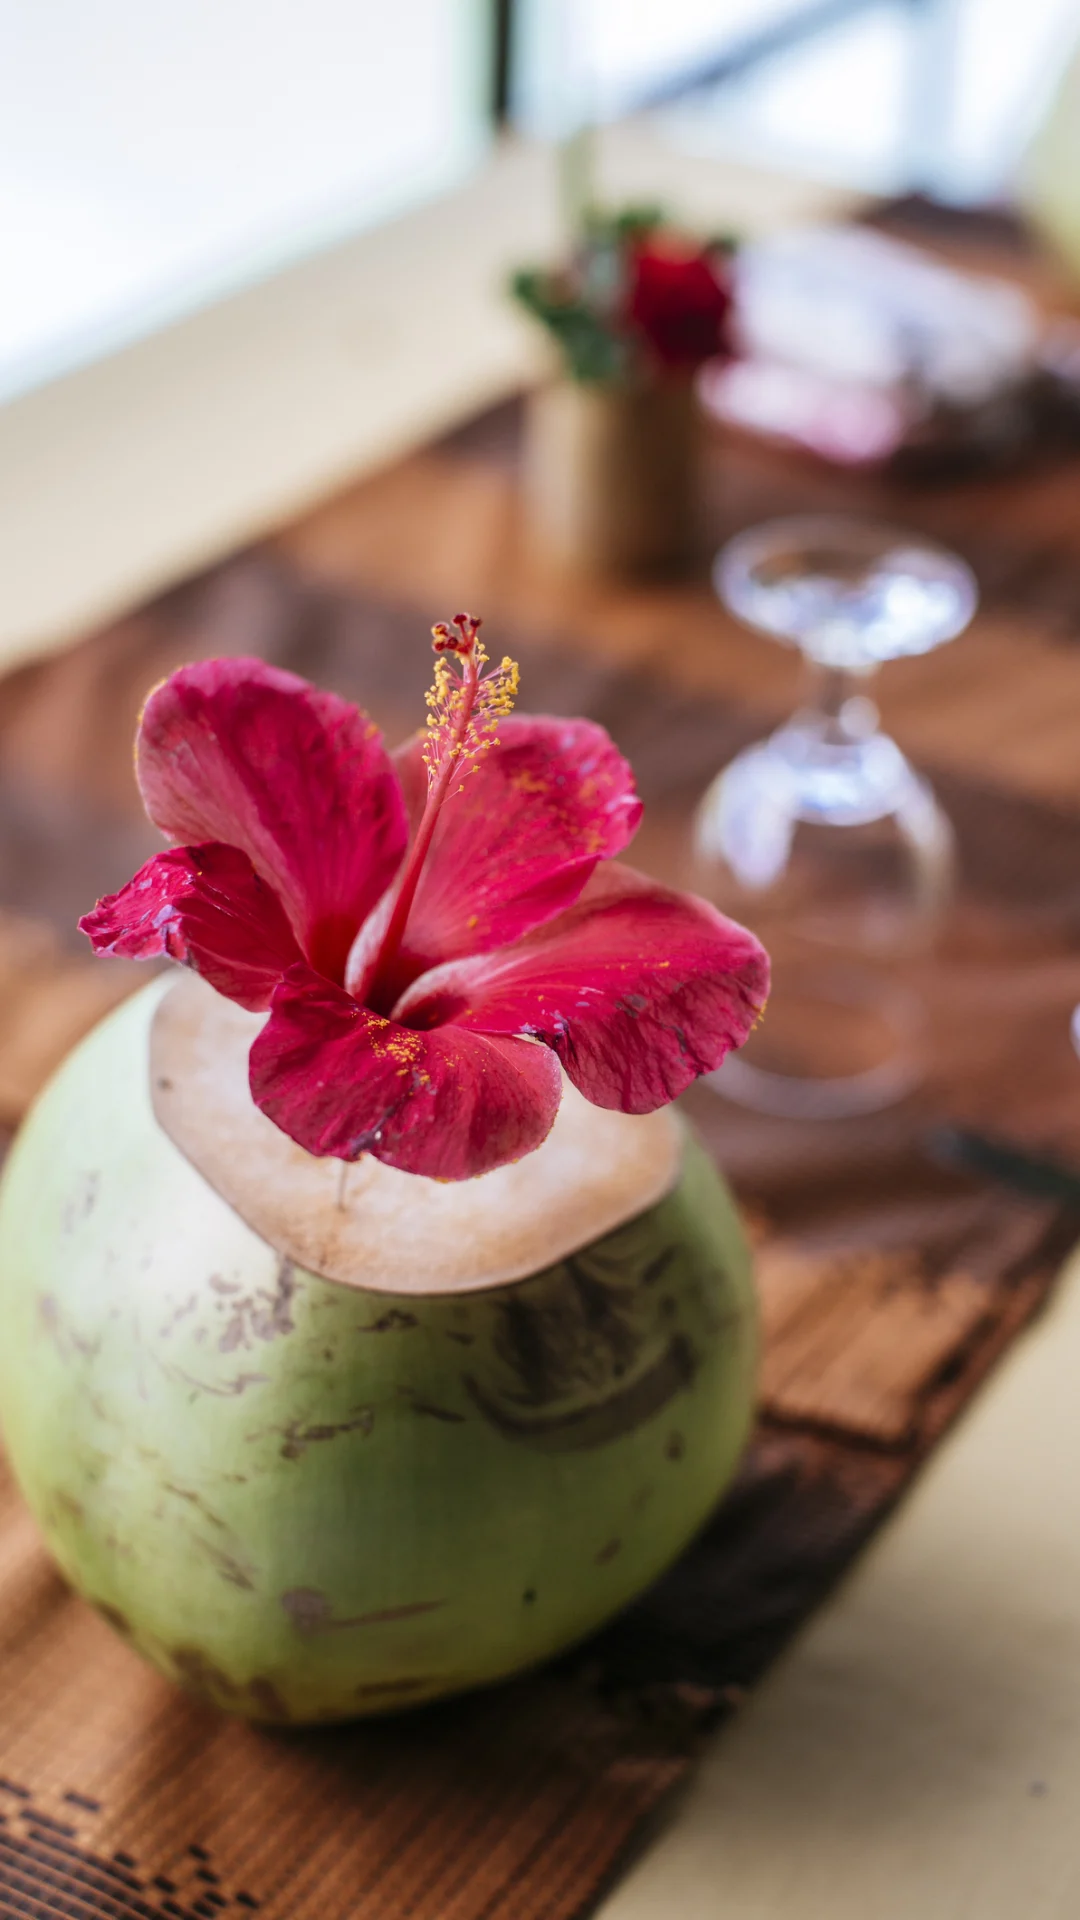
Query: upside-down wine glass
x=823, y=836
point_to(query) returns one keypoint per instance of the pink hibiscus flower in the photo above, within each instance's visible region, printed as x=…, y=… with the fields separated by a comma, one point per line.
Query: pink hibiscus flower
x=416, y=923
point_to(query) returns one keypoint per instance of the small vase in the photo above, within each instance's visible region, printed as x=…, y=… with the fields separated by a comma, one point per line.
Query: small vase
x=324, y=1441
x=611, y=474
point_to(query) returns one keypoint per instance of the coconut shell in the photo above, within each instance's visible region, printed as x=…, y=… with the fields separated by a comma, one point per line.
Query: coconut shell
x=366, y=1224
x=306, y=1501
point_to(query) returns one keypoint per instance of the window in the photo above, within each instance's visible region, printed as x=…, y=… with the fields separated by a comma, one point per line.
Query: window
x=155, y=153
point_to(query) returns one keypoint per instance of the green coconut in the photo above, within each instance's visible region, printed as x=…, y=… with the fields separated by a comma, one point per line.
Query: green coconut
x=325, y=1441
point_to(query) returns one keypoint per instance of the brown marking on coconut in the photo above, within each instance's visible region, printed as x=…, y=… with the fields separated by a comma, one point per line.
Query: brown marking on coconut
x=298, y=1436
x=654, y=1270
x=395, y=1321
x=262, y=1315
x=66, y=1504
x=599, y=1421
x=195, y=1500
x=196, y=1671
x=310, y=1612
x=608, y=1552
x=113, y=1617
x=386, y=1616
x=181, y=1312
x=610, y=1316
x=222, y=1389
x=391, y=1690
x=63, y=1336
x=82, y=1203
x=226, y=1564
x=258, y=1699
x=274, y=1319
x=431, y=1412
x=234, y=1335
x=268, y=1702
x=574, y=1332
x=596, y=1169
x=674, y=1446
x=88, y=1348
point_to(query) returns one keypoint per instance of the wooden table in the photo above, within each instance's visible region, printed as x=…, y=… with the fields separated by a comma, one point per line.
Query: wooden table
x=918, y=1753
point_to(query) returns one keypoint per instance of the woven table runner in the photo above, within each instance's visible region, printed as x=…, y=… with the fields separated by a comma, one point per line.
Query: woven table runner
x=890, y=1282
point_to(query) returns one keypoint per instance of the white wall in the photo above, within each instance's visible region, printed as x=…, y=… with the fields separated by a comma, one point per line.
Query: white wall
x=155, y=152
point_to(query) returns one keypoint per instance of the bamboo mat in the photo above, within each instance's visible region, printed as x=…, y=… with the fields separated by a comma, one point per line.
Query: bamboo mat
x=890, y=1284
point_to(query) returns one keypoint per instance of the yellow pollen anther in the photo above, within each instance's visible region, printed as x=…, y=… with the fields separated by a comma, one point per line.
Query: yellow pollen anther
x=465, y=704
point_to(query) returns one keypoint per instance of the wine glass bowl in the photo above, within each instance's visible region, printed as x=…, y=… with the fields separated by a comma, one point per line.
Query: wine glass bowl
x=850, y=593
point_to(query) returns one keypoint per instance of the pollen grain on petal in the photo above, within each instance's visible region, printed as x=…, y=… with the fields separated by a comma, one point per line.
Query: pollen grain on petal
x=391, y=1042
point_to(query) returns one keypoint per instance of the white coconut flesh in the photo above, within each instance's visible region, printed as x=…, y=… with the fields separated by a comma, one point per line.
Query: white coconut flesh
x=372, y=1226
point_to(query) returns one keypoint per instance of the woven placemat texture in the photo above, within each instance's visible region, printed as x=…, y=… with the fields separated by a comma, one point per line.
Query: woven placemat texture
x=889, y=1283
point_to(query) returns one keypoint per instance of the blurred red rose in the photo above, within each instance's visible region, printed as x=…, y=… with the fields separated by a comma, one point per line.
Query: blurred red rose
x=681, y=305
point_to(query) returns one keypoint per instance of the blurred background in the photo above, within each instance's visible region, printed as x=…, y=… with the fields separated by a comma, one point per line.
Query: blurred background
x=255, y=255
x=153, y=158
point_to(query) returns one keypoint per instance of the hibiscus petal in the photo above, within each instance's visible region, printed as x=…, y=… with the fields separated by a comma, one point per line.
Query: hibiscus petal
x=518, y=843
x=208, y=908
x=236, y=751
x=636, y=989
x=341, y=1080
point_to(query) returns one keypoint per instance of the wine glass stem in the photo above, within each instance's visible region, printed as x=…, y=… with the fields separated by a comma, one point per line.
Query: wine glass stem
x=831, y=689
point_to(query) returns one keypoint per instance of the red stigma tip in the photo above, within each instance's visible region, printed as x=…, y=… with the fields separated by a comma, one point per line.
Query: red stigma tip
x=463, y=641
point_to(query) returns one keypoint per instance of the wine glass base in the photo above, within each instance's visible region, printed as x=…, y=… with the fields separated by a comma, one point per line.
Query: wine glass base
x=836, y=1043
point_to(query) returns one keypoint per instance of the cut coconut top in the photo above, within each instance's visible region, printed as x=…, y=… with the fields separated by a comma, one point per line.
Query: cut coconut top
x=372, y=1226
